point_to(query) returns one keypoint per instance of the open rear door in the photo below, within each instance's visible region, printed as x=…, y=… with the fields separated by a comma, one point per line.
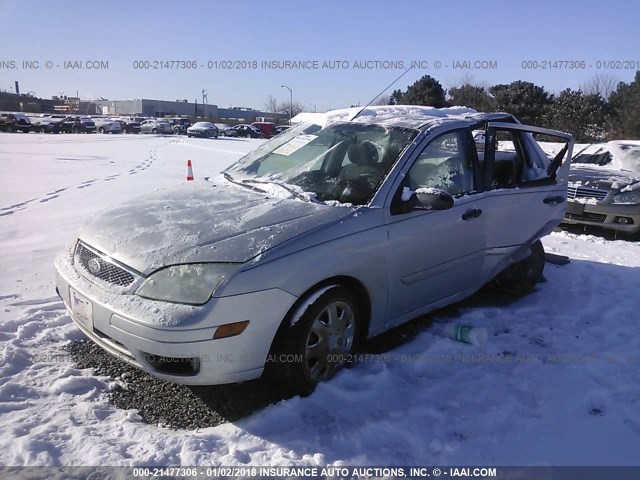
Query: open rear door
x=525, y=171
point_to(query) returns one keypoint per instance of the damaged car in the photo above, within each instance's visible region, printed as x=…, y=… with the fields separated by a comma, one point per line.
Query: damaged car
x=604, y=187
x=328, y=234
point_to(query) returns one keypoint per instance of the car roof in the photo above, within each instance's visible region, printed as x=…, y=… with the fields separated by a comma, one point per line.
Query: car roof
x=408, y=116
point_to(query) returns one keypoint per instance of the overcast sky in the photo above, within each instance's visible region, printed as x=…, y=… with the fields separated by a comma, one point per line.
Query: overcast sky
x=222, y=34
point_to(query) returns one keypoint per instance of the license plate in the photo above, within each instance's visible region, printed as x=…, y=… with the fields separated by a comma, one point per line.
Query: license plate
x=82, y=310
x=575, y=208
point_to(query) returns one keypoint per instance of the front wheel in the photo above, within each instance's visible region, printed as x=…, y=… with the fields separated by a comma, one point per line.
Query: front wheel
x=520, y=278
x=320, y=341
x=155, y=130
x=101, y=130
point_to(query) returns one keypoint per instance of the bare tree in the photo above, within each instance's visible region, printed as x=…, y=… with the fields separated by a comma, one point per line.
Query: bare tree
x=601, y=83
x=271, y=105
x=296, y=108
x=382, y=100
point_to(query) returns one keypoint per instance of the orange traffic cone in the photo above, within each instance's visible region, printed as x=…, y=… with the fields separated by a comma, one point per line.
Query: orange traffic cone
x=189, y=171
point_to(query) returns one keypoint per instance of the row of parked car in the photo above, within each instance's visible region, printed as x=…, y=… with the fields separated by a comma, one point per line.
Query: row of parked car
x=61, y=123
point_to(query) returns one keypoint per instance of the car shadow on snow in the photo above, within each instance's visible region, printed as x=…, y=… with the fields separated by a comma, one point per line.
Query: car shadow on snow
x=599, y=232
x=182, y=407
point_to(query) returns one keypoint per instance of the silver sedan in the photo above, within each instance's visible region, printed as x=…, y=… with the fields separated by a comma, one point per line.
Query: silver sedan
x=326, y=235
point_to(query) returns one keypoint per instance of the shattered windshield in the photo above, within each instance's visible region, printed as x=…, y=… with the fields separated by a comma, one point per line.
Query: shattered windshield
x=599, y=157
x=342, y=162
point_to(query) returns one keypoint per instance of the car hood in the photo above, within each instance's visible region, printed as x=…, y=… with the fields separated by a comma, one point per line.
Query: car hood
x=602, y=177
x=201, y=222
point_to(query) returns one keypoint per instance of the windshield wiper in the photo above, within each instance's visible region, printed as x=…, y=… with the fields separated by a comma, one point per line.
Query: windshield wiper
x=287, y=188
x=242, y=184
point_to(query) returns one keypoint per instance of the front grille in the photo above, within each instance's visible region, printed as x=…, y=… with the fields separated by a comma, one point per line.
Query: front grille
x=587, y=217
x=109, y=270
x=586, y=192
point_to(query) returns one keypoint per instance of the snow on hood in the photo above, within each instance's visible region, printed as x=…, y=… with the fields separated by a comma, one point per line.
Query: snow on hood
x=622, y=173
x=201, y=222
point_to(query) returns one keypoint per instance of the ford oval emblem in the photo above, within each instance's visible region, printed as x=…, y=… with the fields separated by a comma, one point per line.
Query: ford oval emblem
x=94, y=266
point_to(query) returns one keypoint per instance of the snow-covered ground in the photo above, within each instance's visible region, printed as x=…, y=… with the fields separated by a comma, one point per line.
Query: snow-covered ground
x=557, y=383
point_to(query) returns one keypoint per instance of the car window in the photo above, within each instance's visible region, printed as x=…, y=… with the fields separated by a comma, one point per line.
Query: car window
x=446, y=164
x=516, y=161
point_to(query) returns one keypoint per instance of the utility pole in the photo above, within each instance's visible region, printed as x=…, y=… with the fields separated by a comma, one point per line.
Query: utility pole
x=204, y=103
x=290, y=102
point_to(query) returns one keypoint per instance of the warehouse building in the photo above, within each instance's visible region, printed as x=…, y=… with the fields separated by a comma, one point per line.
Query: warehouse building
x=162, y=108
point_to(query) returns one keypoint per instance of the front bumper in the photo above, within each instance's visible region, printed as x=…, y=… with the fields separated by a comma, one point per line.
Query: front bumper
x=131, y=328
x=621, y=218
x=199, y=133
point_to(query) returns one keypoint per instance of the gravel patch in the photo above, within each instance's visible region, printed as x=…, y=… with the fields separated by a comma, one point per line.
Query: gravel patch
x=171, y=405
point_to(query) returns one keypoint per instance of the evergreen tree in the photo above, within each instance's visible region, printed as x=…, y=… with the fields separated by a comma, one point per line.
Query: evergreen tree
x=528, y=102
x=425, y=91
x=625, y=110
x=581, y=115
x=472, y=96
x=396, y=97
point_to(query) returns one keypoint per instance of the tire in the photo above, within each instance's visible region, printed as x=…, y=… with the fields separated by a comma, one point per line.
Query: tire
x=318, y=344
x=75, y=130
x=222, y=134
x=520, y=278
x=155, y=130
x=101, y=130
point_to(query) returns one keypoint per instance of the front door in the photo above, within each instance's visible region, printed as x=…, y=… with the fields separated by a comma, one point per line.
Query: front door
x=437, y=255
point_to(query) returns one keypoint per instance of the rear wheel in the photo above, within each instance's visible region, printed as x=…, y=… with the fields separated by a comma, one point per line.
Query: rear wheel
x=521, y=277
x=155, y=130
x=101, y=130
x=320, y=342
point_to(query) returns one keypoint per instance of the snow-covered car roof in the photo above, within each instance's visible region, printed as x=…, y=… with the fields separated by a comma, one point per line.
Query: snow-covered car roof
x=411, y=116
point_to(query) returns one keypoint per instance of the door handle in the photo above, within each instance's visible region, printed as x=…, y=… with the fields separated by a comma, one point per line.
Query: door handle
x=553, y=200
x=471, y=214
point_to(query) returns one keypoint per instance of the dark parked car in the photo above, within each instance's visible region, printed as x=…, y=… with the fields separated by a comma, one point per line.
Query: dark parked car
x=179, y=125
x=77, y=124
x=268, y=129
x=14, y=122
x=282, y=128
x=129, y=125
x=46, y=123
x=248, y=131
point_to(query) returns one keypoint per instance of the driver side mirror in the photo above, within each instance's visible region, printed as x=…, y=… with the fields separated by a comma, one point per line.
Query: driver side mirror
x=434, y=199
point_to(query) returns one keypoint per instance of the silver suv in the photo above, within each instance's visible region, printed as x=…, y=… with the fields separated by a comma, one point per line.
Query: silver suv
x=155, y=126
x=179, y=125
x=326, y=235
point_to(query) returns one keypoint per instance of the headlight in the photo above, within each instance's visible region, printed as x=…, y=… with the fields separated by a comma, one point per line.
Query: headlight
x=627, y=198
x=192, y=284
